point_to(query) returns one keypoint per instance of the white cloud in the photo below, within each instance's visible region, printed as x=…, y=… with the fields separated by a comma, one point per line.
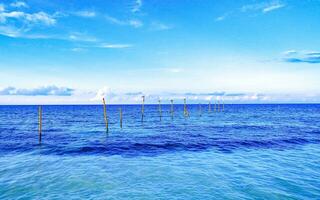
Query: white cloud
x=14, y=32
x=101, y=93
x=273, y=7
x=40, y=91
x=114, y=20
x=135, y=23
x=115, y=46
x=39, y=17
x=85, y=13
x=223, y=17
x=263, y=7
x=160, y=26
x=19, y=4
x=137, y=6
x=135, y=97
x=76, y=36
x=132, y=22
x=220, y=18
x=10, y=31
x=78, y=49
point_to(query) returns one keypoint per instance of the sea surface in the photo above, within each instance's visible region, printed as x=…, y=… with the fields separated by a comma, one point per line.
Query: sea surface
x=243, y=152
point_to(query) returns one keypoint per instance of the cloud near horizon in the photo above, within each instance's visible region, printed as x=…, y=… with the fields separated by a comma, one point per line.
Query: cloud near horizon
x=40, y=91
x=135, y=97
x=292, y=56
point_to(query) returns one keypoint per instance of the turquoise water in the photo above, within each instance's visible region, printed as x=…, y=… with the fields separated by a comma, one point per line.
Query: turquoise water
x=245, y=152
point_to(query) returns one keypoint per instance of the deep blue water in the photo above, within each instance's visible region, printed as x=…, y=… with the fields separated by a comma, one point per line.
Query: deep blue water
x=244, y=152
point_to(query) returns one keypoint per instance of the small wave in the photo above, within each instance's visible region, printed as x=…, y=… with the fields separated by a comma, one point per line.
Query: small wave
x=155, y=145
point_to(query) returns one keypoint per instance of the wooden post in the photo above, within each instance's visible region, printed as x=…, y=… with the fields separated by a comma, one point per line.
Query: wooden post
x=218, y=105
x=142, y=108
x=40, y=123
x=215, y=105
x=120, y=117
x=209, y=107
x=105, y=115
x=160, y=110
x=185, y=107
x=171, y=111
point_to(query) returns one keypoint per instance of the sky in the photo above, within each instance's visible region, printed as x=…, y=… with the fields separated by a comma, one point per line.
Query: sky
x=237, y=51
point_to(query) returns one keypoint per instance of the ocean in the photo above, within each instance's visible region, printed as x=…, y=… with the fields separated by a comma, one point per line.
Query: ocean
x=244, y=152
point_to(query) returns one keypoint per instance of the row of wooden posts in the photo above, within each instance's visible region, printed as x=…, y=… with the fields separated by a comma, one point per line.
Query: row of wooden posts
x=217, y=108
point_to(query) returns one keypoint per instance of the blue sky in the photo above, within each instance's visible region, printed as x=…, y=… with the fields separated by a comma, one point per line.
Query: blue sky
x=77, y=51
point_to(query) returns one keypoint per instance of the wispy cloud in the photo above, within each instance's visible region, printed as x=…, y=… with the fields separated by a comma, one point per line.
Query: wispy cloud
x=85, y=13
x=114, y=46
x=10, y=31
x=24, y=33
x=222, y=17
x=114, y=20
x=77, y=36
x=135, y=23
x=86, y=47
x=15, y=23
x=292, y=56
x=158, y=26
x=39, y=17
x=78, y=49
x=137, y=6
x=41, y=91
x=132, y=22
x=273, y=7
x=83, y=41
x=263, y=7
x=19, y=4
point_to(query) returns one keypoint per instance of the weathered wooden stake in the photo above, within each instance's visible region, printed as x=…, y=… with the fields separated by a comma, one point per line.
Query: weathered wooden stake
x=105, y=115
x=120, y=117
x=185, y=107
x=40, y=123
x=142, y=108
x=160, y=110
x=171, y=110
